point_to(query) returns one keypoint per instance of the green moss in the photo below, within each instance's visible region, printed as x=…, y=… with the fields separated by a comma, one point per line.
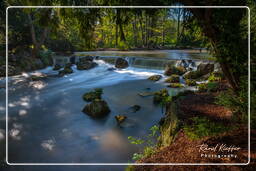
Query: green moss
x=173, y=79
x=161, y=96
x=190, y=82
x=155, y=77
x=93, y=95
x=208, y=87
x=175, y=85
x=201, y=127
x=215, y=76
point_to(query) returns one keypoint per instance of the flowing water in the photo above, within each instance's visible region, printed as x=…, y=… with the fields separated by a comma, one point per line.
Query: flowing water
x=46, y=125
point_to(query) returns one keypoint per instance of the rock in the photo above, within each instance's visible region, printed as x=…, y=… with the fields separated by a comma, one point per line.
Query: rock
x=85, y=59
x=86, y=65
x=66, y=70
x=173, y=79
x=169, y=70
x=182, y=63
x=72, y=59
x=190, y=82
x=68, y=65
x=97, y=109
x=56, y=67
x=205, y=68
x=155, y=77
x=135, y=108
x=121, y=63
x=93, y=95
x=160, y=96
x=192, y=75
x=175, y=85
x=145, y=94
x=120, y=118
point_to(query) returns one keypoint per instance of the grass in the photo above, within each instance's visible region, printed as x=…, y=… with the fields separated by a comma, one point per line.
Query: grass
x=202, y=127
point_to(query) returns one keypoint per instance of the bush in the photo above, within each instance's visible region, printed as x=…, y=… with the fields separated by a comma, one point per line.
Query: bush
x=201, y=127
x=149, y=142
x=215, y=76
x=161, y=97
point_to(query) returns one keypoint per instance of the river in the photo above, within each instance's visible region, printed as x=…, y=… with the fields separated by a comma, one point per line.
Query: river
x=46, y=123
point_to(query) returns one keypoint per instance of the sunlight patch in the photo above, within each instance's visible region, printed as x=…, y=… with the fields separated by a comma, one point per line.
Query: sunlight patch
x=48, y=144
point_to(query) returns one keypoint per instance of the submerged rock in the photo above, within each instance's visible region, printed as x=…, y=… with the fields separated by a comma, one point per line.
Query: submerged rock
x=120, y=118
x=155, y=77
x=121, y=63
x=97, y=109
x=169, y=70
x=111, y=69
x=173, y=79
x=56, y=67
x=135, y=108
x=93, y=95
x=145, y=94
x=86, y=65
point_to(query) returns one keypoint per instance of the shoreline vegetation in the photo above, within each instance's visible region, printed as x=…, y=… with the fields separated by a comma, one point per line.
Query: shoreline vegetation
x=203, y=103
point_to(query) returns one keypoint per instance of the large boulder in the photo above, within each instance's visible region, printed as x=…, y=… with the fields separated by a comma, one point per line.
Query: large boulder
x=121, y=63
x=97, y=109
x=85, y=65
x=192, y=75
x=85, y=58
x=179, y=70
x=205, y=68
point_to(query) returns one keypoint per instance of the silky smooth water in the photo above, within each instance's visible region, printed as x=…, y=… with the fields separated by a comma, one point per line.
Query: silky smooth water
x=46, y=125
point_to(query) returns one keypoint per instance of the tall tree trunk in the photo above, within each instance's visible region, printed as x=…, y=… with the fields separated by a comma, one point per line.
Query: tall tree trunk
x=36, y=43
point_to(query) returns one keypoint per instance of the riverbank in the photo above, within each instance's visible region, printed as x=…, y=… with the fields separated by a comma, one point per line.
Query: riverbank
x=188, y=143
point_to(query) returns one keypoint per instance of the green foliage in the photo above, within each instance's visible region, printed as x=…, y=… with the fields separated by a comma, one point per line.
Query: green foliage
x=215, y=76
x=148, y=142
x=162, y=97
x=208, y=87
x=201, y=127
x=46, y=57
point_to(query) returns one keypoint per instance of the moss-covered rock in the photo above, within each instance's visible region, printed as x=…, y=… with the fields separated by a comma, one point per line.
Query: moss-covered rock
x=175, y=85
x=37, y=77
x=121, y=63
x=205, y=68
x=86, y=65
x=120, y=118
x=192, y=75
x=160, y=96
x=173, y=79
x=169, y=70
x=97, y=109
x=93, y=95
x=215, y=76
x=66, y=70
x=190, y=82
x=155, y=77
